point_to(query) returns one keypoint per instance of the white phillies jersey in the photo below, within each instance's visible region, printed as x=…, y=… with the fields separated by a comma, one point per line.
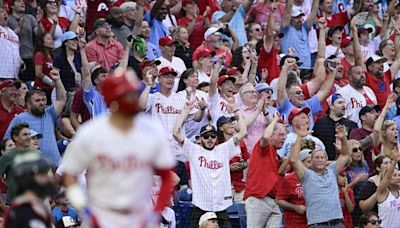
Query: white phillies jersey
x=119, y=164
x=9, y=53
x=389, y=211
x=192, y=127
x=167, y=111
x=210, y=174
x=219, y=107
x=354, y=101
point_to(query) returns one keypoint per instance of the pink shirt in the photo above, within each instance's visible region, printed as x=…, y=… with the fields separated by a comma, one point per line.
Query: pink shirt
x=106, y=55
x=255, y=130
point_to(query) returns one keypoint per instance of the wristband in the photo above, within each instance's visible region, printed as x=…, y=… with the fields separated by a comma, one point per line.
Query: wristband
x=47, y=80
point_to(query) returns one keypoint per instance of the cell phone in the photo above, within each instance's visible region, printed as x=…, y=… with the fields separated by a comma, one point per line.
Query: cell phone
x=330, y=63
x=129, y=38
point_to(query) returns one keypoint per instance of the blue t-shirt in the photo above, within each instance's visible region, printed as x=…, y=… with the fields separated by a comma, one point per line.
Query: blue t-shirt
x=94, y=102
x=351, y=173
x=236, y=23
x=45, y=125
x=297, y=39
x=321, y=194
x=158, y=30
x=153, y=51
x=313, y=103
x=155, y=89
x=57, y=214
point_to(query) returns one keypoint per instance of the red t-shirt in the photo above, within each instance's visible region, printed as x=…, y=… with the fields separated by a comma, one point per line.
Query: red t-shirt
x=346, y=67
x=6, y=117
x=96, y=9
x=291, y=191
x=262, y=177
x=78, y=105
x=197, y=36
x=346, y=214
x=380, y=86
x=47, y=64
x=270, y=61
x=213, y=4
x=237, y=176
x=62, y=22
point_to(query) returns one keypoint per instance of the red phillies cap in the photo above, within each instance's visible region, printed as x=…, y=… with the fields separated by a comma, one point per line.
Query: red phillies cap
x=166, y=40
x=148, y=62
x=114, y=87
x=297, y=111
x=223, y=78
x=187, y=2
x=167, y=70
x=9, y=83
x=232, y=71
x=202, y=52
x=345, y=42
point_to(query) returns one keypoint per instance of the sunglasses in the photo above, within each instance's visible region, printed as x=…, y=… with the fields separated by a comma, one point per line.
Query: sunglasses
x=356, y=149
x=212, y=136
x=257, y=29
x=299, y=92
x=373, y=222
x=105, y=25
x=52, y=3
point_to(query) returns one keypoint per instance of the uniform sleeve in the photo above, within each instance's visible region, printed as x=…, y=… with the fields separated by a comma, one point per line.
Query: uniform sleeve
x=77, y=156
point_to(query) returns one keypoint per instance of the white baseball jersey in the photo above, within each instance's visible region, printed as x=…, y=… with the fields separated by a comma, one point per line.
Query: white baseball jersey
x=9, y=53
x=177, y=64
x=167, y=110
x=219, y=107
x=389, y=211
x=119, y=167
x=192, y=127
x=354, y=101
x=210, y=174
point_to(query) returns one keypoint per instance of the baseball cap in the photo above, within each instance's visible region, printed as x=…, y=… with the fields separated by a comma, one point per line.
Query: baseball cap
x=297, y=111
x=9, y=83
x=33, y=133
x=148, y=62
x=361, y=30
x=345, y=42
x=304, y=154
x=207, y=216
x=333, y=98
x=68, y=36
x=297, y=12
x=282, y=62
x=231, y=71
x=98, y=23
x=128, y=6
x=375, y=58
x=206, y=129
x=113, y=87
x=223, y=120
x=187, y=2
x=210, y=31
x=167, y=70
x=366, y=109
x=262, y=87
x=334, y=29
x=166, y=40
x=223, y=78
x=202, y=52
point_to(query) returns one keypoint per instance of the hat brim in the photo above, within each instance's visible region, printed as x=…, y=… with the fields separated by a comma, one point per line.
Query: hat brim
x=228, y=78
x=298, y=15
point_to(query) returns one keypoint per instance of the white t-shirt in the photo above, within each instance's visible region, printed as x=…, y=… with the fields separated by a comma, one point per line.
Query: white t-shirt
x=167, y=111
x=119, y=165
x=210, y=174
x=203, y=77
x=9, y=53
x=331, y=50
x=219, y=107
x=368, y=51
x=354, y=101
x=178, y=65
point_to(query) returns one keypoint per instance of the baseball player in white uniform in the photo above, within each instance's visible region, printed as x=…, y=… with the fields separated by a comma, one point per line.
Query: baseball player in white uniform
x=209, y=165
x=120, y=156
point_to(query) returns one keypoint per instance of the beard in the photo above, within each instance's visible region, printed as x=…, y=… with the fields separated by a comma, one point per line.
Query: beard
x=204, y=145
x=37, y=112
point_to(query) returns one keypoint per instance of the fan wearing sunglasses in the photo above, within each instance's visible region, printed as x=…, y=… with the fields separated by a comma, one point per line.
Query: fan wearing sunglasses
x=388, y=195
x=209, y=164
x=370, y=220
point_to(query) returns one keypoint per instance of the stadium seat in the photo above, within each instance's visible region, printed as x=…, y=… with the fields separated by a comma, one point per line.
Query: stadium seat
x=237, y=215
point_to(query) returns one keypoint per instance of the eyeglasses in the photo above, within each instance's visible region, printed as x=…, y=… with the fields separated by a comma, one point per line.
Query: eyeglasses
x=299, y=92
x=356, y=149
x=212, y=136
x=105, y=25
x=250, y=91
x=373, y=222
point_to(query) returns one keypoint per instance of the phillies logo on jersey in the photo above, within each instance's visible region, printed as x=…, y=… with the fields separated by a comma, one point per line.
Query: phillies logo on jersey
x=225, y=107
x=299, y=191
x=124, y=163
x=9, y=37
x=213, y=164
x=355, y=103
x=167, y=110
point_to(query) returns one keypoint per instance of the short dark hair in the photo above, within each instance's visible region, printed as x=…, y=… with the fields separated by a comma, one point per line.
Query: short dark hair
x=32, y=92
x=17, y=129
x=396, y=83
x=97, y=73
x=365, y=218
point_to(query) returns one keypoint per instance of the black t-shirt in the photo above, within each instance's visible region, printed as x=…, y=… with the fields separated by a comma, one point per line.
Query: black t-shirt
x=24, y=216
x=367, y=190
x=135, y=64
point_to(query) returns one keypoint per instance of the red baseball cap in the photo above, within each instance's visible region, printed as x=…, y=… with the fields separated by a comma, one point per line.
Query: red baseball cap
x=223, y=78
x=168, y=70
x=166, y=40
x=361, y=30
x=114, y=87
x=231, y=71
x=9, y=83
x=297, y=111
x=202, y=52
x=187, y=2
x=149, y=62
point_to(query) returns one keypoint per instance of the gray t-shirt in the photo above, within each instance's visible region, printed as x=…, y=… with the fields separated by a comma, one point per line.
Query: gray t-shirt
x=321, y=193
x=26, y=35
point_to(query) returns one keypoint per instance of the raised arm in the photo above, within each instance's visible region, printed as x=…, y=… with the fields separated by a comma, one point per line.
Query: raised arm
x=269, y=35
x=75, y=21
x=288, y=14
x=327, y=85
x=86, y=78
x=313, y=14
x=242, y=127
x=359, y=60
x=282, y=95
x=345, y=152
x=253, y=116
x=139, y=17
x=144, y=96
x=322, y=24
x=391, y=100
x=179, y=123
x=269, y=131
x=394, y=68
x=123, y=64
x=315, y=84
x=214, y=76
x=202, y=107
x=61, y=94
x=382, y=190
x=296, y=164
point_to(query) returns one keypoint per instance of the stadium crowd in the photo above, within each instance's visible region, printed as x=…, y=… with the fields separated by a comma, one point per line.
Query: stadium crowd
x=278, y=113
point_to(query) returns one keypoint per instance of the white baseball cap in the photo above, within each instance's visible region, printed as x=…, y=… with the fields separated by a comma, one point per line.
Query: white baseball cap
x=297, y=12
x=210, y=31
x=207, y=216
x=304, y=154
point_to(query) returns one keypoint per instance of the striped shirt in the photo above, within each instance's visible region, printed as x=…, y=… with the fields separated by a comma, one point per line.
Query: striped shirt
x=9, y=53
